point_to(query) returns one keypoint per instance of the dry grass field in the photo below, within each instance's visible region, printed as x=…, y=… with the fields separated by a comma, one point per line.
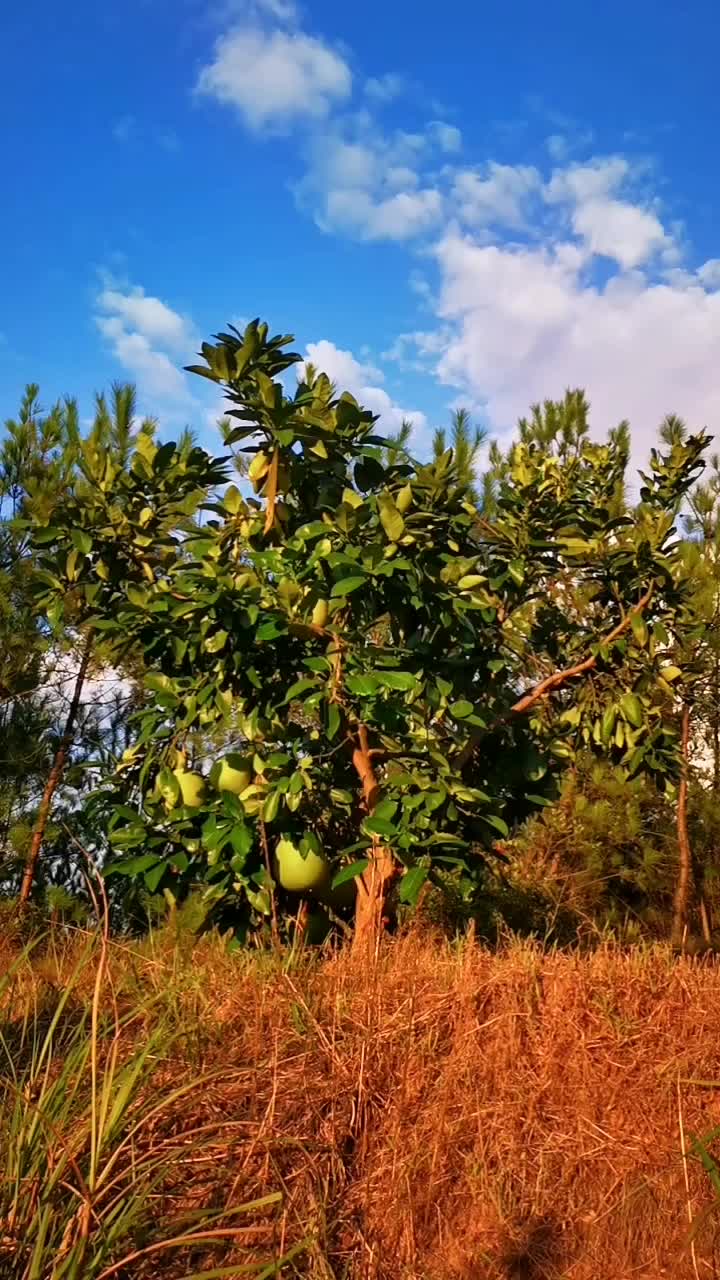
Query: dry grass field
x=448, y=1113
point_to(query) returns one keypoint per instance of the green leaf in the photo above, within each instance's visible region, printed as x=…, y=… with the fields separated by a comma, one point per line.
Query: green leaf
x=401, y=680
x=155, y=875
x=386, y=809
x=369, y=473
x=44, y=535
x=271, y=806
x=137, y=596
x=461, y=709
x=390, y=518
x=411, y=884
x=333, y=720
x=516, y=569
x=366, y=686
x=300, y=686
x=158, y=682
x=82, y=541
x=216, y=641
x=71, y=571
x=271, y=630
x=498, y=823
x=341, y=797
x=321, y=665
x=241, y=839
x=349, y=873
x=232, y=499
x=639, y=629
x=346, y=585
x=607, y=724
x=375, y=826
x=632, y=709
x=132, y=866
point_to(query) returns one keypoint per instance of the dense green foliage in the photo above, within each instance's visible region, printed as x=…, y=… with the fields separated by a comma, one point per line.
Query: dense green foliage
x=376, y=666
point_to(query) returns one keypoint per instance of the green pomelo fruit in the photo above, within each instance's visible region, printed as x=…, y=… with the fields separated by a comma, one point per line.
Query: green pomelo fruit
x=235, y=773
x=300, y=874
x=192, y=788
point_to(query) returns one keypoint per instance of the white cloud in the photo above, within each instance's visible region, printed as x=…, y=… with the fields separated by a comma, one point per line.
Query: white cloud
x=141, y=330
x=150, y=316
x=574, y=276
x=620, y=229
x=447, y=136
x=382, y=89
x=365, y=183
x=361, y=381
x=275, y=77
x=499, y=195
x=709, y=273
x=616, y=229
x=592, y=181
x=519, y=324
x=398, y=217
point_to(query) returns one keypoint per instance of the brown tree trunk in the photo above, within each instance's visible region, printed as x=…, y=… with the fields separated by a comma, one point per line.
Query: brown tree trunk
x=684, y=886
x=55, y=775
x=373, y=886
x=715, y=713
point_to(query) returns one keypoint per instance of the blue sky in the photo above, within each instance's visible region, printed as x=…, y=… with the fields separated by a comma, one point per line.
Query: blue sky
x=475, y=205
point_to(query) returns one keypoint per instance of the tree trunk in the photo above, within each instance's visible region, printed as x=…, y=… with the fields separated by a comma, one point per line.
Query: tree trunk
x=55, y=776
x=373, y=886
x=684, y=886
x=716, y=722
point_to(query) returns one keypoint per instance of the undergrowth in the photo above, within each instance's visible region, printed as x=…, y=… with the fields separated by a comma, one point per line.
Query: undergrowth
x=173, y=1109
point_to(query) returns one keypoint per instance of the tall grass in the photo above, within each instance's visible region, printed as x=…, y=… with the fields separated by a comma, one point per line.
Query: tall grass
x=446, y=1113
x=85, y=1147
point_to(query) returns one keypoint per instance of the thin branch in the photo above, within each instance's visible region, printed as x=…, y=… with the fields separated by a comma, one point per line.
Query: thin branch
x=555, y=681
x=559, y=678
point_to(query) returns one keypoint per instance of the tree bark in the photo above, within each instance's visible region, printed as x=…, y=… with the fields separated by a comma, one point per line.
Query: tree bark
x=684, y=886
x=373, y=886
x=55, y=775
x=716, y=722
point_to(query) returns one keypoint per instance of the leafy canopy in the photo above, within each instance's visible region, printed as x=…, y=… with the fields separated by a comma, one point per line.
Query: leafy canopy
x=396, y=670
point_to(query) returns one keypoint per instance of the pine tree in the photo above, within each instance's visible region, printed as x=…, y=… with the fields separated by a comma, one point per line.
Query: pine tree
x=44, y=456
x=466, y=442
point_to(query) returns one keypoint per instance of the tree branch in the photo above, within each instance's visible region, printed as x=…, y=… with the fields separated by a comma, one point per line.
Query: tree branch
x=555, y=681
x=560, y=678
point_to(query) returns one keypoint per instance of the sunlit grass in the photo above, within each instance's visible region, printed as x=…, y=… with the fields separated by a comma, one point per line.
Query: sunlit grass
x=85, y=1146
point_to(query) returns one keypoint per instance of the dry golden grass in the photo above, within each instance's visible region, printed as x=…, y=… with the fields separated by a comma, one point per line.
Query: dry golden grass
x=448, y=1114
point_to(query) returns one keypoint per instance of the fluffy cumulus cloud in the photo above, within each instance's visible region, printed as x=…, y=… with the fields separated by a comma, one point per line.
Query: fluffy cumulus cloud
x=148, y=338
x=609, y=226
x=394, y=217
x=363, y=381
x=366, y=183
x=275, y=77
x=497, y=194
x=520, y=323
x=547, y=275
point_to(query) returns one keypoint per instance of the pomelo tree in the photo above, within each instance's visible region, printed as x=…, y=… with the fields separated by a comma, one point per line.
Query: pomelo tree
x=396, y=678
